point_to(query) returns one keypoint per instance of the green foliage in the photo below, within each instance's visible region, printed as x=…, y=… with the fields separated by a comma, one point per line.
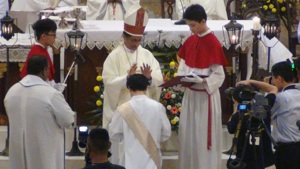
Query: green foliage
x=96, y=104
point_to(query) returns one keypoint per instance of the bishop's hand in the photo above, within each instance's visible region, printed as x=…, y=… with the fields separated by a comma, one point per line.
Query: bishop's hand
x=132, y=70
x=146, y=70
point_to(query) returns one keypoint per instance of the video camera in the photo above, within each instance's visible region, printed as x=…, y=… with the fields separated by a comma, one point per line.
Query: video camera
x=249, y=100
x=83, y=132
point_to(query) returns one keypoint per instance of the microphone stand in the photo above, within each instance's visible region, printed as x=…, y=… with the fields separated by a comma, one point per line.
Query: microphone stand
x=75, y=149
x=181, y=21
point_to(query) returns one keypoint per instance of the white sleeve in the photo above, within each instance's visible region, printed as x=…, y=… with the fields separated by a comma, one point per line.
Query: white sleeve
x=116, y=127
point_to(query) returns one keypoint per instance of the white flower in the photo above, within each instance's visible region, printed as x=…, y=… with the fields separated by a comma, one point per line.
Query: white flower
x=173, y=96
x=101, y=96
x=169, y=107
x=176, y=118
x=164, y=90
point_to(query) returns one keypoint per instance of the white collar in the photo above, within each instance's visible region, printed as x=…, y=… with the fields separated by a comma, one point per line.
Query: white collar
x=204, y=33
x=39, y=44
x=128, y=50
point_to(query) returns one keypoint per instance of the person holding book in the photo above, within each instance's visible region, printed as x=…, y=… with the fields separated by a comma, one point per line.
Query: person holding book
x=200, y=127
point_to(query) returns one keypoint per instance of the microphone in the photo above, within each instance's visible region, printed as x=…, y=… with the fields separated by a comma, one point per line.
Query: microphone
x=298, y=124
x=79, y=56
x=181, y=21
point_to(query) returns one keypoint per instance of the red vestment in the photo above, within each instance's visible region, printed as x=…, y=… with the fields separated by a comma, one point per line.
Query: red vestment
x=38, y=50
x=202, y=52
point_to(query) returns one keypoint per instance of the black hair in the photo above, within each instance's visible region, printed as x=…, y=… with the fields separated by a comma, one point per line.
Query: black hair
x=43, y=26
x=126, y=34
x=98, y=140
x=36, y=64
x=195, y=12
x=137, y=82
x=283, y=69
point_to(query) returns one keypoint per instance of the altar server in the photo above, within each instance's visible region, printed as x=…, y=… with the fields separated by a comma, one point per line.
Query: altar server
x=215, y=9
x=143, y=124
x=200, y=127
x=45, y=33
x=38, y=115
x=108, y=9
x=126, y=59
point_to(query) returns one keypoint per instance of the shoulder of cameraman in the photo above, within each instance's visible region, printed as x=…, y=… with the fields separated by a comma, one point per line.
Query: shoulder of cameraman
x=271, y=97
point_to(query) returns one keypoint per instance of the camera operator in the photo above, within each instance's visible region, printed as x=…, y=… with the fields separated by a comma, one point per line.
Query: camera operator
x=98, y=145
x=263, y=153
x=284, y=99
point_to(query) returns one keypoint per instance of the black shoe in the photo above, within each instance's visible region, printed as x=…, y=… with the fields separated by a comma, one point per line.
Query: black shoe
x=180, y=22
x=228, y=152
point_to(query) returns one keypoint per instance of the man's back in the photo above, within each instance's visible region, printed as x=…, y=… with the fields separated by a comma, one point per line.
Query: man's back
x=37, y=115
x=153, y=116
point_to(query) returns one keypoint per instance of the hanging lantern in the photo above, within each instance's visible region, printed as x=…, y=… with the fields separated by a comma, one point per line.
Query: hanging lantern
x=271, y=26
x=7, y=30
x=75, y=38
x=234, y=31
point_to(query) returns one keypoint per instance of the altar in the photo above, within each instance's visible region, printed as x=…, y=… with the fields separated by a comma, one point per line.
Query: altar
x=102, y=37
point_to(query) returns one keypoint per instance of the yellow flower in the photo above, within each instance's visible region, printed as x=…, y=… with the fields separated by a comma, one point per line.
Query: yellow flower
x=280, y=1
x=271, y=6
x=96, y=88
x=265, y=7
x=173, y=121
x=99, y=78
x=98, y=102
x=244, y=5
x=172, y=64
x=283, y=9
x=179, y=108
x=268, y=1
x=175, y=74
x=274, y=10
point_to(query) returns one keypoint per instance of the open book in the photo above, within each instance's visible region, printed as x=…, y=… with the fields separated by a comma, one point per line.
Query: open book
x=177, y=80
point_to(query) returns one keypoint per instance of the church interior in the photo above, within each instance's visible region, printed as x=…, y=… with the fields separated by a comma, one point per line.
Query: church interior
x=248, y=58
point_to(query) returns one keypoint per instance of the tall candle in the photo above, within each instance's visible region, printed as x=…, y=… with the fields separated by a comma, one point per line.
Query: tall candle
x=256, y=23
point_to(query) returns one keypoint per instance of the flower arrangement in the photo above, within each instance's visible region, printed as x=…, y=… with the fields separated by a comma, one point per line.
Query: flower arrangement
x=96, y=102
x=172, y=99
x=278, y=7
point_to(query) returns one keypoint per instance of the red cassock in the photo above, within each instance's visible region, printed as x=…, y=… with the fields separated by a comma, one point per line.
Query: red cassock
x=38, y=50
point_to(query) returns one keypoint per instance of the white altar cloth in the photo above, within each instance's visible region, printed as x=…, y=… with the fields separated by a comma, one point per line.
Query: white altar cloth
x=108, y=34
x=19, y=46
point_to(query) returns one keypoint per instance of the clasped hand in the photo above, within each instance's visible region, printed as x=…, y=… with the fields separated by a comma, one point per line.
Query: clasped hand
x=194, y=79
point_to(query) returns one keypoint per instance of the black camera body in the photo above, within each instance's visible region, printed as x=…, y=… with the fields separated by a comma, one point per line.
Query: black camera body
x=249, y=100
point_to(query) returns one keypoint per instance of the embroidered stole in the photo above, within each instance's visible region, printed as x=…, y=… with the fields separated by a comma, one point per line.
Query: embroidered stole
x=140, y=131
